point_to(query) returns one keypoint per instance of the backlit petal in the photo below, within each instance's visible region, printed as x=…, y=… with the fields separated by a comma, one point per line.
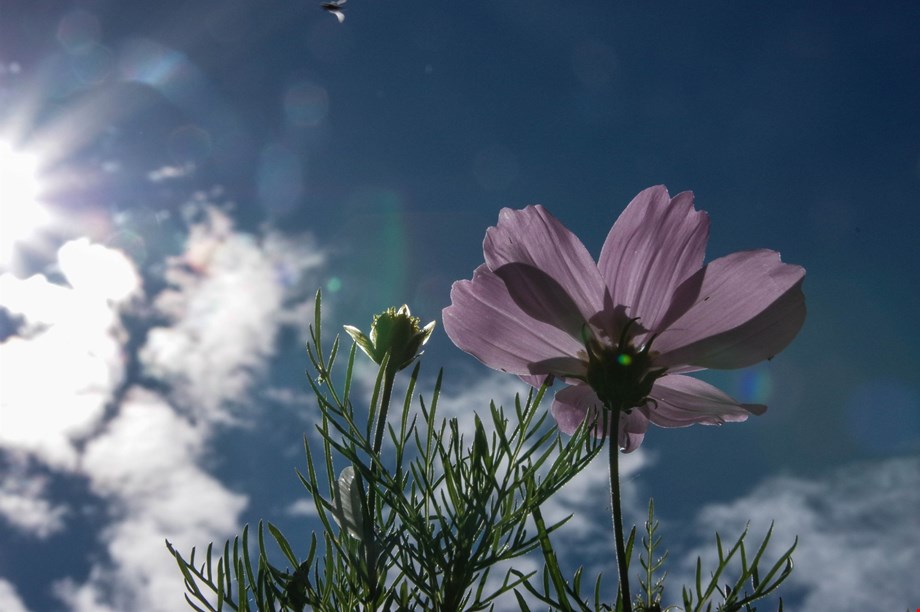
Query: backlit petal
x=534, y=380
x=484, y=321
x=745, y=308
x=539, y=304
x=632, y=430
x=541, y=297
x=574, y=404
x=680, y=401
x=534, y=237
x=655, y=245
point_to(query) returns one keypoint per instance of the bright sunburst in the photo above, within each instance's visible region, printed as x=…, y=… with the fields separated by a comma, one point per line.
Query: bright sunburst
x=20, y=212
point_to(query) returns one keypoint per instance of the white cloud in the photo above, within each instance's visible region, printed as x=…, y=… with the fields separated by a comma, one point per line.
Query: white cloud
x=58, y=377
x=140, y=452
x=24, y=504
x=97, y=271
x=858, y=529
x=166, y=173
x=229, y=295
x=302, y=507
x=146, y=466
x=9, y=598
x=590, y=491
x=288, y=397
x=39, y=302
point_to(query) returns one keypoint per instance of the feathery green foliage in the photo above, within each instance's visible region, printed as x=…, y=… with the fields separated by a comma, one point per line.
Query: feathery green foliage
x=422, y=523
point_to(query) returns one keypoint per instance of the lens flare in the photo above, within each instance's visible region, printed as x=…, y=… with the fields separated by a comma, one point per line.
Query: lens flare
x=280, y=180
x=189, y=144
x=79, y=31
x=381, y=243
x=305, y=104
x=334, y=284
x=754, y=385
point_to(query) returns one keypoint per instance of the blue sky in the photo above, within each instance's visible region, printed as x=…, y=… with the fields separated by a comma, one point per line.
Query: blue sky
x=201, y=168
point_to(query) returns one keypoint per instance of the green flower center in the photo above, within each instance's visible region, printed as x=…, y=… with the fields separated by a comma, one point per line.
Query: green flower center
x=622, y=375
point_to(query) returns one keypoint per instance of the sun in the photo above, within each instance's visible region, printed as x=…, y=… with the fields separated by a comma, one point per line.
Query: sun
x=20, y=212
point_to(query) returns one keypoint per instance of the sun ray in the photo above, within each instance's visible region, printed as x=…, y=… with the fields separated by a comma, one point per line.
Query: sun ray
x=20, y=210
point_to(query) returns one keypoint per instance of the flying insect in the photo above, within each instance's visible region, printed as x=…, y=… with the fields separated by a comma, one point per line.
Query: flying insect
x=335, y=7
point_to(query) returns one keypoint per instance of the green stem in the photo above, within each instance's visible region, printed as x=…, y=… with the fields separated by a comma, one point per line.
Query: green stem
x=614, y=448
x=389, y=377
x=552, y=563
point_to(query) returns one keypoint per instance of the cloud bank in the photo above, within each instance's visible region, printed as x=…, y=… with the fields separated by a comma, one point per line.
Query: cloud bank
x=858, y=530
x=71, y=409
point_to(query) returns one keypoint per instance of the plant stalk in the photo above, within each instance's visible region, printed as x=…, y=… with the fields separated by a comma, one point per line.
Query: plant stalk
x=389, y=377
x=614, y=448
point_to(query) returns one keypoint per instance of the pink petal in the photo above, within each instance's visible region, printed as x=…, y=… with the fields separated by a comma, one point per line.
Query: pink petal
x=535, y=380
x=534, y=237
x=656, y=243
x=743, y=308
x=541, y=297
x=574, y=404
x=632, y=430
x=484, y=321
x=680, y=401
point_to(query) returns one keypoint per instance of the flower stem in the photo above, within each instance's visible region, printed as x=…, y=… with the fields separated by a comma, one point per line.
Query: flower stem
x=388, y=378
x=372, y=558
x=614, y=448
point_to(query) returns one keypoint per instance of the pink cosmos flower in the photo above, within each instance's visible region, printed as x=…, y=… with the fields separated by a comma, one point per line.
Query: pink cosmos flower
x=624, y=331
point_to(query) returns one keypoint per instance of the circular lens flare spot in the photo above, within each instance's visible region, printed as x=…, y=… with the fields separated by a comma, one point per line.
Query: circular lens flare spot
x=189, y=144
x=79, y=31
x=306, y=104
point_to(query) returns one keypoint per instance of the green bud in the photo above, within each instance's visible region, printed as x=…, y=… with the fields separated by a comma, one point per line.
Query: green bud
x=395, y=332
x=480, y=451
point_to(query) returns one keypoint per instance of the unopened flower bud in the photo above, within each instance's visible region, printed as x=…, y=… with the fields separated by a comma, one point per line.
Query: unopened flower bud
x=395, y=332
x=347, y=510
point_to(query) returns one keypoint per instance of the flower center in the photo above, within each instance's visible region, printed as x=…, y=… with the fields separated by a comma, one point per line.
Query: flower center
x=621, y=375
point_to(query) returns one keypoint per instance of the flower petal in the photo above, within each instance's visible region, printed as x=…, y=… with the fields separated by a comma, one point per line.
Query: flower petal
x=632, y=430
x=484, y=321
x=536, y=380
x=574, y=404
x=541, y=297
x=534, y=237
x=681, y=401
x=743, y=308
x=656, y=243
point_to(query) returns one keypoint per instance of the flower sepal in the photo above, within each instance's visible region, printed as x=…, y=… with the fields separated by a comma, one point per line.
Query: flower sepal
x=395, y=332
